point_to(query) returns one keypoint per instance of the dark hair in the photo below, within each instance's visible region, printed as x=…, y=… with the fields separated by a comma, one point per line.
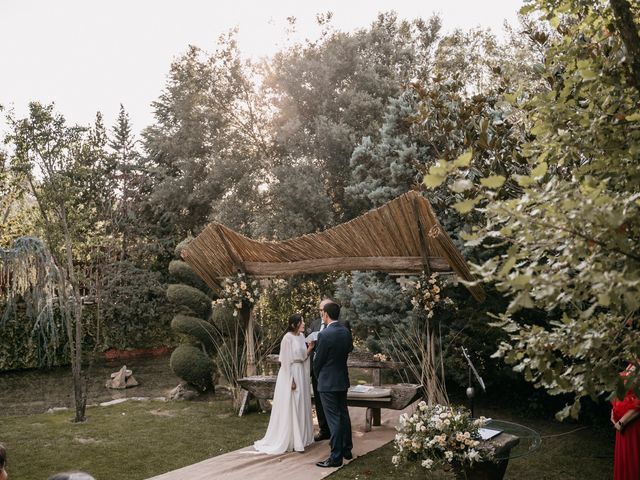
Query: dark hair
x=333, y=310
x=294, y=322
x=3, y=456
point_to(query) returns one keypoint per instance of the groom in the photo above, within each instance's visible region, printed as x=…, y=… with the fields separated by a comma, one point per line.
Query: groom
x=330, y=368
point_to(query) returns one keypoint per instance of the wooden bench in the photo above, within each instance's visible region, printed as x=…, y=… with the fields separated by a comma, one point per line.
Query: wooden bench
x=402, y=394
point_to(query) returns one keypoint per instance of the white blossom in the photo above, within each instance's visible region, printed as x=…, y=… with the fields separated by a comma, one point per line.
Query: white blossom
x=428, y=463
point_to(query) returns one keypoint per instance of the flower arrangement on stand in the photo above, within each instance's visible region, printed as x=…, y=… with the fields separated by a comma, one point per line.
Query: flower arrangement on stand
x=419, y=344
x=440, y=436
x=238, y=292
x=426, y=294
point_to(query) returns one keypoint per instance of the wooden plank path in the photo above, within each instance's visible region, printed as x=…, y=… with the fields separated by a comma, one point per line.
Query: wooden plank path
x=245, y=464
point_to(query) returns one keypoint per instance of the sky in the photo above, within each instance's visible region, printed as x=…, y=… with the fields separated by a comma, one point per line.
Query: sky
x=90, y=55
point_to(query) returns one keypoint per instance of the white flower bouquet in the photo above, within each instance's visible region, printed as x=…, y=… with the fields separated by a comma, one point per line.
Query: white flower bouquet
x=440, y=436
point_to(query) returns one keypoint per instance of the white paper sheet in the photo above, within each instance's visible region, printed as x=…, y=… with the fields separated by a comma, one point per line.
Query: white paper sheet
x=487, y=433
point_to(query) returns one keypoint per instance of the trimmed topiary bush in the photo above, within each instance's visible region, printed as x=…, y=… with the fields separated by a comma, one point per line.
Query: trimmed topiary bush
x=203, y=331
x=192, y=298
x=183, y=273
x=181, y=246
x=192, y=365
x=193, y=360
x=222, y=317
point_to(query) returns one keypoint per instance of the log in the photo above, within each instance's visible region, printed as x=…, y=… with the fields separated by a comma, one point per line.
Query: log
x=408, y=265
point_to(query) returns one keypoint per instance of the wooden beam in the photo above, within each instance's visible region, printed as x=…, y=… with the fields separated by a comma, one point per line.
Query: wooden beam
x=409, y=265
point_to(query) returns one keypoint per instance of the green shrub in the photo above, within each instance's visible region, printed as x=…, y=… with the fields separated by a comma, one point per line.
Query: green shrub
x=222, y=317
x=135, y=312
x=203, y=331
x=192, y=298
x=183, y=273
x=181, y=246
x=192, y=365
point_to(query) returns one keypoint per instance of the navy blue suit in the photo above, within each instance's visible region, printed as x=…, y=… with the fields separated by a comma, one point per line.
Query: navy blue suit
x=330, y=368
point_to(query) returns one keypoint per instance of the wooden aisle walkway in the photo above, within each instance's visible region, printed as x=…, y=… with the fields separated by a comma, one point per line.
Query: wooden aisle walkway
x=246, y=464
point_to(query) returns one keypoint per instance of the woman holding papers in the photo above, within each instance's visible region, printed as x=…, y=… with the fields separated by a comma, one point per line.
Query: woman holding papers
x=291, y=426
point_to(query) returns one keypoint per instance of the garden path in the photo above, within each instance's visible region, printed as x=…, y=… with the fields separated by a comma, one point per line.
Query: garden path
x=246, y=464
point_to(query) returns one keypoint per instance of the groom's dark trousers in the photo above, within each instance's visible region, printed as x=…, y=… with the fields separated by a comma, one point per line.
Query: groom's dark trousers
x=330, y=367
x=337, y=414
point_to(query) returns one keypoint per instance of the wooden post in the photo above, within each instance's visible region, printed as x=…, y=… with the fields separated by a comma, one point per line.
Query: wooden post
x=246, y=312
x=248, y=317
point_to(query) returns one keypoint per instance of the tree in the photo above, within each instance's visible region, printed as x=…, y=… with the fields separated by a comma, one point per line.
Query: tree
x=570, y=240
x=295, y=202
x=28, y=272
x=67, y=172
x=206, y=146
x=128, y=173
x=332, y=92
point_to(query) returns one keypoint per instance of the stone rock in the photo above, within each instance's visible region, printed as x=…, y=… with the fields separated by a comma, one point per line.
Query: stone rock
x=122, y=379
x=183, y=392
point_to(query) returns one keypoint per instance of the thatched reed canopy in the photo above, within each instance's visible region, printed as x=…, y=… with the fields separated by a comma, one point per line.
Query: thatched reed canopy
x=402, y=237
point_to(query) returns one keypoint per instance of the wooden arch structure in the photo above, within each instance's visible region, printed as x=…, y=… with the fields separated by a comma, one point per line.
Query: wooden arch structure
x=403, y=237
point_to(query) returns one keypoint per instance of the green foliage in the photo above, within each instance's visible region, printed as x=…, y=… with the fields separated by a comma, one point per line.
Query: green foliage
x=207, y=143
x=569, y=241
x=192, y=365
x=134, y=313
x=183, y=273
x=21, y=349
x=181, y=246
x=195, y=327
x=295, y=203
x=348, y=79
x=223, y=319
x=191, y=298
x=375, y=305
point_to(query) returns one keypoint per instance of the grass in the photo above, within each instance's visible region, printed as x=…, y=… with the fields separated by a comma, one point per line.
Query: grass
x=137, y=440
x=128, y=441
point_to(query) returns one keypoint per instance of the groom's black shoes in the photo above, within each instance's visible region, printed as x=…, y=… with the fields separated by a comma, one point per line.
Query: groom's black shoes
x=347, y=455
x=321, y=436
x=329, y=464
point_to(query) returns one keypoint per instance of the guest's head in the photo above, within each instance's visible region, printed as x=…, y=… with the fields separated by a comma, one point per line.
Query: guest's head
x=71, y=476
x=332, y=310
x=324, y=302
x=296, y=323
x=3, y=462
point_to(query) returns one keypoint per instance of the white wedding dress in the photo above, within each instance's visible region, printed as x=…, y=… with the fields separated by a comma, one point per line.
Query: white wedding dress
x=291, y=425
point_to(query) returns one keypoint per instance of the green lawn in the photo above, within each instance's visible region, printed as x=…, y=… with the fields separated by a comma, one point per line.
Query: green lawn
x=136, y=440
x=128, y=441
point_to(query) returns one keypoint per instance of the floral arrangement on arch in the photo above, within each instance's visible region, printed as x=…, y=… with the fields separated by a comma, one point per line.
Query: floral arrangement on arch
x=426, y=294
x=238, y=292
x=440, y=436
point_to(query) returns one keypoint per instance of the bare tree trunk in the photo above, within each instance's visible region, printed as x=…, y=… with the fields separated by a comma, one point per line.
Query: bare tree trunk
x=79, y=390
x=629, y=32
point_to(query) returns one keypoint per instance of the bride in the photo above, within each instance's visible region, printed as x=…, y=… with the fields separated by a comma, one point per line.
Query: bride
x=290, y=426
